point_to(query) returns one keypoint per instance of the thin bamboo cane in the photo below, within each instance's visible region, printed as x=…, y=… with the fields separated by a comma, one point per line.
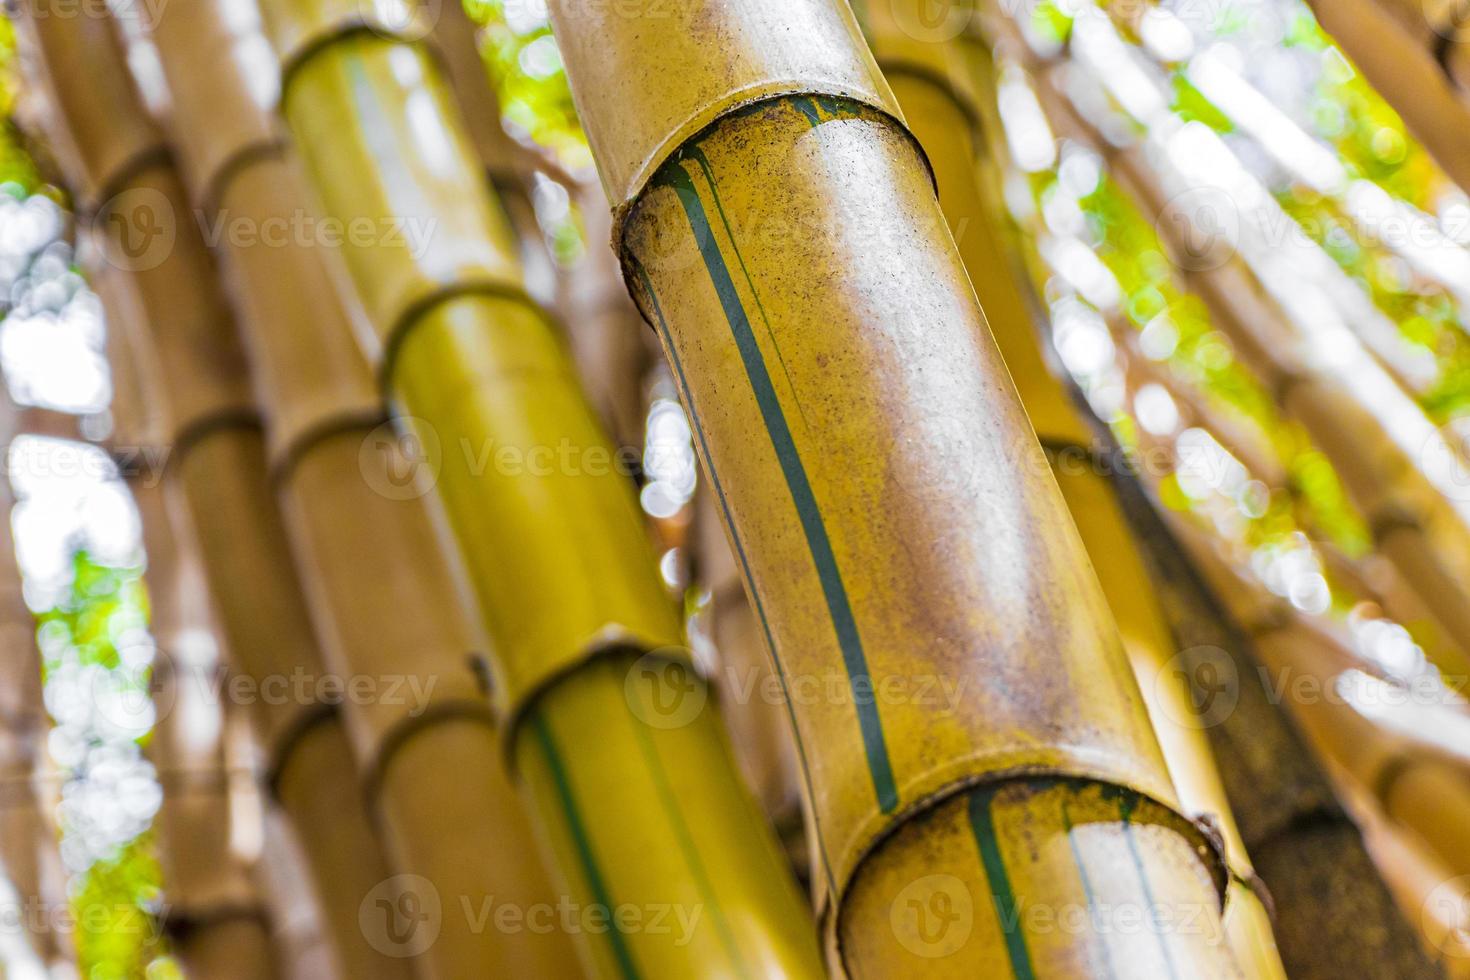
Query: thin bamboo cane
x=1418, y=524
x=556, y=550
x=127, y=185
x=216, y=920
x=1420, y=787
x=928, y=78
x=1399, y=57
x=386, y=609
x=762, y=180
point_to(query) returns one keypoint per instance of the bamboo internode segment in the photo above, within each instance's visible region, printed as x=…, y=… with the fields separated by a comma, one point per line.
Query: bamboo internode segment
x=942, y=102
x=215, y=919
x=217, y=461
x=552, y=539
x=891, y=508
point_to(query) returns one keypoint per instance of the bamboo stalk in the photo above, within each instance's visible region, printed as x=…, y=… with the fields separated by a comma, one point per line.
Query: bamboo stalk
x=1255, y=781
x=386, y=610
x=1415, y=783
x=1417, y=521
x=127, y=185
x=635, y=816
x=216, y=920
x=1399, y=61
x=932, y=87
x=1304, y=844
x=764, y=186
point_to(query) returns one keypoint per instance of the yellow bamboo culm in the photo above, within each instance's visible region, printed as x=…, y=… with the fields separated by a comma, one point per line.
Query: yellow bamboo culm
x=640, y=805
x=925, y=65
x=160, y=281
x=897, y=526
x=387, y=608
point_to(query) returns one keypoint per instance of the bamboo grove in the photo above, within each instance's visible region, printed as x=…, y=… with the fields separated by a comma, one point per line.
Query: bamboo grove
x=776, y=488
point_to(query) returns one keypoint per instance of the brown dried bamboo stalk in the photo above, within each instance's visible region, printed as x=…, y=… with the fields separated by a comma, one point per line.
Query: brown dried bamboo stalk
x=216, y=920
x=125, y=184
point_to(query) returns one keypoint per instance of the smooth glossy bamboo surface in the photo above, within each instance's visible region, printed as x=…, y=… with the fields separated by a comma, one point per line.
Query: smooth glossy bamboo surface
x=893, y=513
x=217, y=459
x=552, y=540
x=930, y=81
